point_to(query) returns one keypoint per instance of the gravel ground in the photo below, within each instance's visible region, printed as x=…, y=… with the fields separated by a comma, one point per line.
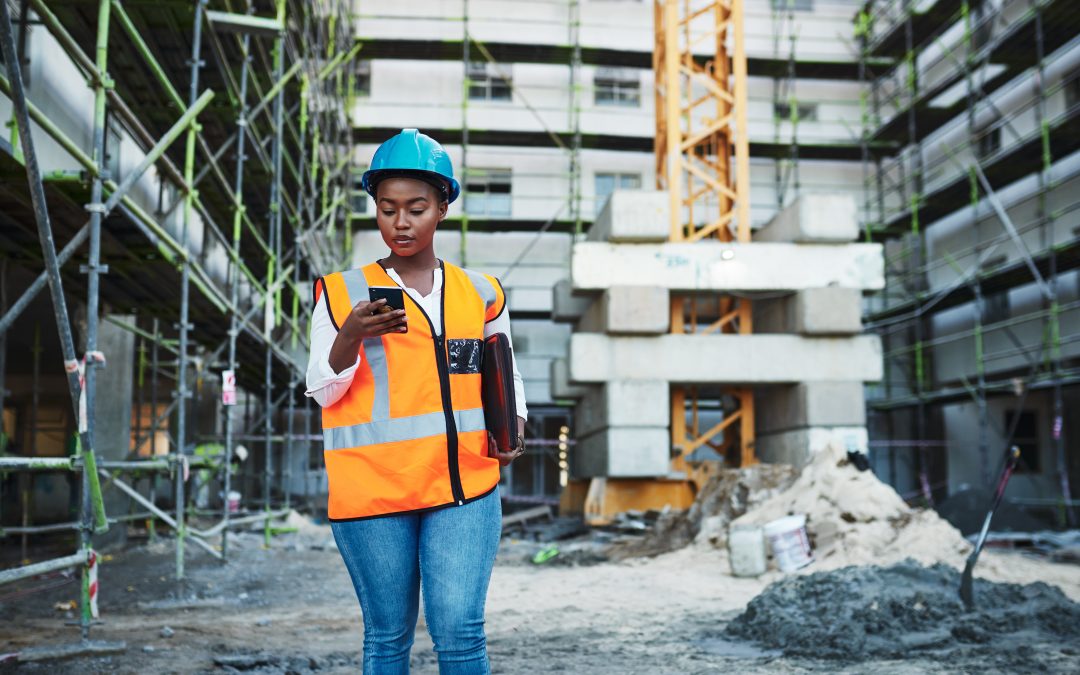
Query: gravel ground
x=291, y=608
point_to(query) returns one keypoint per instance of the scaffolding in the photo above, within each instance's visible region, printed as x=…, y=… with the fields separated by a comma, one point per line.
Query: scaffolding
x=212, y=267
x=969, y=128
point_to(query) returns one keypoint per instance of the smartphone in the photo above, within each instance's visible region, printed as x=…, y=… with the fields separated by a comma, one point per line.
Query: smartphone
x=394, y=296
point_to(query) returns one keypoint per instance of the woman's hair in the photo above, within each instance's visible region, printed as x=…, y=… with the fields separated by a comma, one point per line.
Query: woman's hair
x=442, y=190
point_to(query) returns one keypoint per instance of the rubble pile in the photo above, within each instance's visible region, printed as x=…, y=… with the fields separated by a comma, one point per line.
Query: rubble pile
x=727, y=495
x=868, y=612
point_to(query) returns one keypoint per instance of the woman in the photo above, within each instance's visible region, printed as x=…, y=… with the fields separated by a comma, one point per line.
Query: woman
x=413, y=474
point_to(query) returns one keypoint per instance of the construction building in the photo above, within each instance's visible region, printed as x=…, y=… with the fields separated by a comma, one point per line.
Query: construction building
x=970, y=133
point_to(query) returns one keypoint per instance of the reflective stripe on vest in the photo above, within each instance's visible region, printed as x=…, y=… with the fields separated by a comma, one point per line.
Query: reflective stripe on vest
x=357, y=287
x=401, y=429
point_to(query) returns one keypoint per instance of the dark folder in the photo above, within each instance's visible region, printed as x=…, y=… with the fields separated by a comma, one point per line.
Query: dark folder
x=500, y=406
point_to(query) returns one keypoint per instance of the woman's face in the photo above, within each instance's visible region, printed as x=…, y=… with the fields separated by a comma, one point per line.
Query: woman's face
x=407, y=212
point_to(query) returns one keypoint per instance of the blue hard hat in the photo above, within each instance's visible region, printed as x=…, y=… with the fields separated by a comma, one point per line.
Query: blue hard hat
x=414, y=155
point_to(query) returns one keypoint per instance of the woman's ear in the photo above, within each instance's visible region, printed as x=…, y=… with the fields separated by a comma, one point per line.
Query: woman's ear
x=443, y=206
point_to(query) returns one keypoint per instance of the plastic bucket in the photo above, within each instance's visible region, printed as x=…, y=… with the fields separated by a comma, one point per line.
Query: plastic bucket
x=746, y=548
x=234, y=502
x=789, y=543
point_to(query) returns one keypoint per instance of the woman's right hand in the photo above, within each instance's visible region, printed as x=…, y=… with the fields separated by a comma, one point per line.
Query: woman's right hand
x=365, y=321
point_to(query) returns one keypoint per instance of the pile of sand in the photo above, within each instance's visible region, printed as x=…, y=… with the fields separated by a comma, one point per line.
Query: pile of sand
x=870, y=612
x=853, y=518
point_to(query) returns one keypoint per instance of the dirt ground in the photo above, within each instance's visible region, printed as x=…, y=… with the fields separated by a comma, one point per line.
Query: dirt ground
x=291, y=608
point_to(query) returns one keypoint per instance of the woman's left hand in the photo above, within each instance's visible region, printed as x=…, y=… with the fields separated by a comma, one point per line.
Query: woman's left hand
x=509, y=456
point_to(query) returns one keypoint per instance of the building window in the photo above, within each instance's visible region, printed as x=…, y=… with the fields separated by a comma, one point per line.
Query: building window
x=606, y=183
x=806, y=112
x=797, y=5
x=617, y=86
x=487, y=192
x=358, y=199
x=1026, y=437
x=988, y=142
x=995, y=308
x=363, y=79
x=1072, y=92
x=487, y=83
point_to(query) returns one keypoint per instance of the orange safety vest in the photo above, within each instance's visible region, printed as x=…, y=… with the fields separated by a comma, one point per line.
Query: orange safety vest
x=409, y=433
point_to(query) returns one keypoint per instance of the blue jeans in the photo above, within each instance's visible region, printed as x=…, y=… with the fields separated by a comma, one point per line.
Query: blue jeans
x=452, y=550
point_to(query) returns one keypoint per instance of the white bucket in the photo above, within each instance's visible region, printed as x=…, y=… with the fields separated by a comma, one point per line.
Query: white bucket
x=790, y=545
x=234, y=501
x=746, y=548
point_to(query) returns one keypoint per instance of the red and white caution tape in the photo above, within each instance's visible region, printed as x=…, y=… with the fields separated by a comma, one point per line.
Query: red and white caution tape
x=80, y=368
x=92, y=570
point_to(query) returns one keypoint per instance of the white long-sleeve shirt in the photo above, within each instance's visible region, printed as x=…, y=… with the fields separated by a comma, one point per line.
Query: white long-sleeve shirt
x=326, y=386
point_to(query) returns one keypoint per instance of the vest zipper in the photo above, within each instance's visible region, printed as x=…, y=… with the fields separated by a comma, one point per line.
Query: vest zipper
x=442, y=366
x=448, y=411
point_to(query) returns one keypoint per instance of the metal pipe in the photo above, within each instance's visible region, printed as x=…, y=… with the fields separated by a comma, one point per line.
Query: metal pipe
x=27, y=571
x=175, y=524
x=234, y=289
x=185, y=290
x=62, y=527
x=45, y=238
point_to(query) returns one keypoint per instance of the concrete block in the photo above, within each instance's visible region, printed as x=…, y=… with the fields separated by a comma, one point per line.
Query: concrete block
x=623, y=452
x=630, y=310
x=565, y=306
x=798, y=446
x=623, y=403
x=539, y=337
x=717, y=266
x=734, y=359
x=633, y=216
x=809, y=404
x=814, y=311
x=814, y=218
x=538, y=392
x=561, y=386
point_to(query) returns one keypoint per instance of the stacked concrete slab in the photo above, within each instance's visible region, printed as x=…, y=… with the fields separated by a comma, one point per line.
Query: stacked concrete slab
x=806, y=360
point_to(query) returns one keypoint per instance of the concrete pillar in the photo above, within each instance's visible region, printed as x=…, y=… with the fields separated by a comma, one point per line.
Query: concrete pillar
x=633, y=216
x=809, y=404
x=813, y=311
x=796, y=447
x=561, y=386
x=624, y=403
x=112, y=411
x=629, y=310
x=565, y=306
x=623, y=452
x=814, y=218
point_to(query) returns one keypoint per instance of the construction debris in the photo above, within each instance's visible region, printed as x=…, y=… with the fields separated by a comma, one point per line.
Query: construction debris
x=862, y=613
x=726, y=496
x=853, y=518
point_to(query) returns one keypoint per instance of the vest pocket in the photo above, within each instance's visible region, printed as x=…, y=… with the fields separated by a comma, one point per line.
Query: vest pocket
x=465, y=355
